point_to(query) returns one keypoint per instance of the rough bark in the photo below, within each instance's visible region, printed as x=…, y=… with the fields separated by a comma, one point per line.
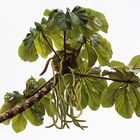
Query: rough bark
x=28, y=102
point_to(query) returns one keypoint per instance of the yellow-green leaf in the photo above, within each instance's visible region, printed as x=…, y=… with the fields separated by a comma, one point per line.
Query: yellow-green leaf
x=19, y=123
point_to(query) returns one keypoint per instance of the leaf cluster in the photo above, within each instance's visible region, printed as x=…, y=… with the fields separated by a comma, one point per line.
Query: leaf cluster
x=79, y=51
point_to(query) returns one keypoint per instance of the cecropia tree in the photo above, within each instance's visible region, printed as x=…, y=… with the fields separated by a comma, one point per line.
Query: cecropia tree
x=78, y=53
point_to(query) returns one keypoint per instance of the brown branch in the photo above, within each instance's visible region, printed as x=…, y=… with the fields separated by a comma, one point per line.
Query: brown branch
x=105, y=78
x=65, y=48
x=28, y=102
x=43, y=91
x=51, y=46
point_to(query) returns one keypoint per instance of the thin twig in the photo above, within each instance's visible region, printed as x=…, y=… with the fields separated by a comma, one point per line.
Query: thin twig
x=78, y=51
x=65, y=55
x=105, y=78
x=51, y=46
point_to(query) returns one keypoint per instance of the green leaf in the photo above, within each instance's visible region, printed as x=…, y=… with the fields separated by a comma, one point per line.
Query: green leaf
x=84, y=98
x=31, y=87
x=6, y=106
x=11, y=99
x=102, y=48
x=98, y=84
x=135, y=62
x=7, y=122
x=49, y=106
x=42, y=46
x=33, y=117
x=116, y=64
x=79, y=16
x=94, y=100
x=57, y=40
x=27, y=50
x=46, y=12
x=63, y=20
x=81, y=39
x=119, y=74
x=94, y=97
x=52, y=14
x=108, y=95
x=38, y=26
x=41, y=82
x=92, y=57
x=19, y=123
x=134, y=95
x=39, y=108
x=123, y=103
x=137, y=110
x=97, y=20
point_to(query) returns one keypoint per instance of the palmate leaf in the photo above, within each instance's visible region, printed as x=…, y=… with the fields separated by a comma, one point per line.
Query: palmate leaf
x=92, y=88
x=124, y=94
x=118, y=93
x=73, y=90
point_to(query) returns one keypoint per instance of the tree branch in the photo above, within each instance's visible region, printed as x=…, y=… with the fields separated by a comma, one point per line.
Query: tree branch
x=28, y=102
x=105, y=78
x=45, y=90
x=51, y=46
x=65, y=53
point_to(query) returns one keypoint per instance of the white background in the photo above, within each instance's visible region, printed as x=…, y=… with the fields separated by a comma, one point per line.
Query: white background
x=16, y=16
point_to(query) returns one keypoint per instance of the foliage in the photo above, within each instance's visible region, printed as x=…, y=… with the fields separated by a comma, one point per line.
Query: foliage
x=78, y=80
